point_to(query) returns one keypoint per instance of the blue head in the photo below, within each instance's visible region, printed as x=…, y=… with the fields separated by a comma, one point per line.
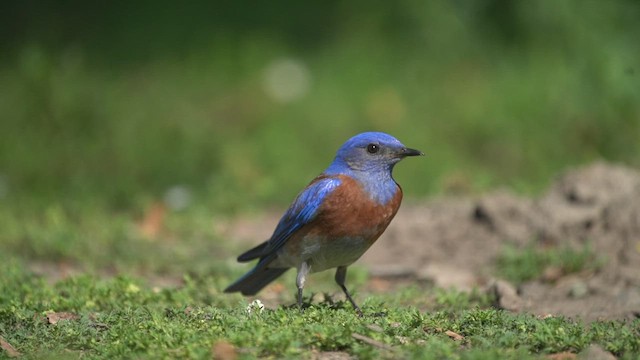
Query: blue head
x=369, y=157
x=370, y=152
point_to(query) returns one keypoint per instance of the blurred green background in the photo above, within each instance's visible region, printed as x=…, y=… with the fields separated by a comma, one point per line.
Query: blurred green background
x=237, y=105
x=133, y=133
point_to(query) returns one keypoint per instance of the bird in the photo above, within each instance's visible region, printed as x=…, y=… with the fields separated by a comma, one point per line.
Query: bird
x=335, y=219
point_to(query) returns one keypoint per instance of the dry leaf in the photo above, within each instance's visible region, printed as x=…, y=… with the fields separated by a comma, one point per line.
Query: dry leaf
x=377, y=284
x=11, y=351
x=223, y=350
x=278, y=288
x=153, y=221
x=54, y=317
x=552, y=273
x=455, y=336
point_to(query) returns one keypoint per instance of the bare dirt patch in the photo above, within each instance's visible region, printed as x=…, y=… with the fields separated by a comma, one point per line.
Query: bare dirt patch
x=454, y=242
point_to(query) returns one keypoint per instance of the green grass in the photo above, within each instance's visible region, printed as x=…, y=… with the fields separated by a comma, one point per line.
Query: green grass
x=161, y=297
x=91, y=238
x=520, y=265
x=122, y=317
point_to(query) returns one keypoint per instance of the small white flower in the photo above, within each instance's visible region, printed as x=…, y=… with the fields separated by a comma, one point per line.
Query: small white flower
x=256, y=305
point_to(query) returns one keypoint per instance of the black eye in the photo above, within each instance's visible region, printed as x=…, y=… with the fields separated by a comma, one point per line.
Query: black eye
x=372, y=148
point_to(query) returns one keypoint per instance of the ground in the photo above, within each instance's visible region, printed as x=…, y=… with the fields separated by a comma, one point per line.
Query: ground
x=460, y=242
x=484, y=277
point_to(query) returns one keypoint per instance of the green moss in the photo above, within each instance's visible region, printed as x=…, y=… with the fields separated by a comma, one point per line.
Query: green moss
x=123, y=317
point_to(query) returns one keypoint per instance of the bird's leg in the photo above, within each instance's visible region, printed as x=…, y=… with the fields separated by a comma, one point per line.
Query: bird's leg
x=303, y=270
x=341, y=275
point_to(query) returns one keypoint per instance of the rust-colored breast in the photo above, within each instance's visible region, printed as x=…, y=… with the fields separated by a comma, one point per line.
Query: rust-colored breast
x=350, y=212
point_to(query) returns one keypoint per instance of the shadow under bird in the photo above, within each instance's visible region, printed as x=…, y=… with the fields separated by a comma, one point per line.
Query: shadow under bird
x=335, y=219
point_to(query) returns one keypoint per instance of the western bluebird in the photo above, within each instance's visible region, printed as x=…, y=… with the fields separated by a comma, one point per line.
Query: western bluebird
x=335, y=219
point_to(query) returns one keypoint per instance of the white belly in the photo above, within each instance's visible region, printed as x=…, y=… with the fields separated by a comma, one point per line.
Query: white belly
x=322, y=255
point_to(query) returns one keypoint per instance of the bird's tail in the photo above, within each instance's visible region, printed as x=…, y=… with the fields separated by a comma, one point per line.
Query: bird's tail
x=254, y=253
x=255, y=280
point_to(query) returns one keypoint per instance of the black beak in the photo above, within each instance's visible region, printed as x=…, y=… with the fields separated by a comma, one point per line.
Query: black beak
x=411, y=152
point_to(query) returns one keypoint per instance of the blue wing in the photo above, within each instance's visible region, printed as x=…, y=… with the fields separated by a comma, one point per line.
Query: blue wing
x=301, y=212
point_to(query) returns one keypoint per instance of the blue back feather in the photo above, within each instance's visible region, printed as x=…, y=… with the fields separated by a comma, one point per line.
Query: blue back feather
x=302, y=211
